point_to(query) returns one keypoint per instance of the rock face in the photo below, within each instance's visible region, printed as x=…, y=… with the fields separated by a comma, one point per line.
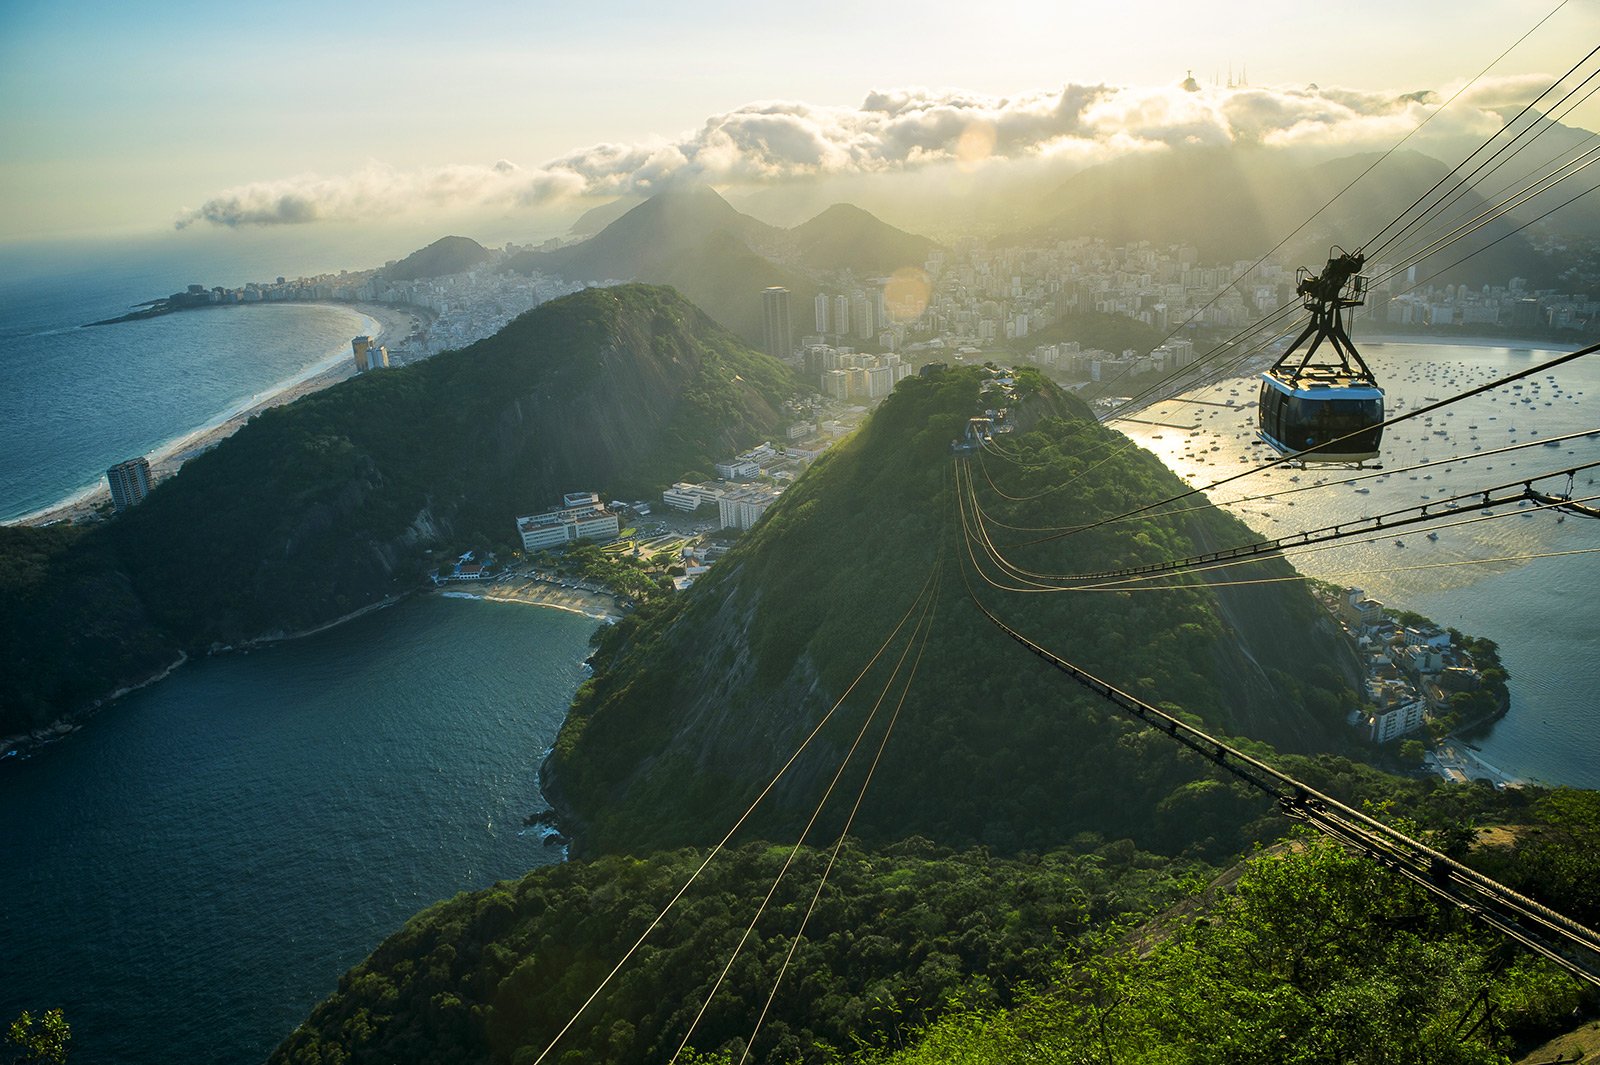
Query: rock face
x=692, y=712
x=326, y=505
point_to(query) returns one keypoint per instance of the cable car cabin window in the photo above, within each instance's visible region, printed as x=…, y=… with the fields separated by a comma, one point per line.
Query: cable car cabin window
x=1307, y=423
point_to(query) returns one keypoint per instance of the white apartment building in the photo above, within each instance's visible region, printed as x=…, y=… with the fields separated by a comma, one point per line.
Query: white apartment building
x=580, y=517
x=1396, y=721
x=743, y=507
x=686, y=496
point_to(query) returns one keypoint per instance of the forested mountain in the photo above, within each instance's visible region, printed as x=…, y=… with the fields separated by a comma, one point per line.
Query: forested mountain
x=844, y=237
x=445, y=256
x=994, y=896
x=325, y=505
x=693, y=239
x=691, y=711
x=915, y=955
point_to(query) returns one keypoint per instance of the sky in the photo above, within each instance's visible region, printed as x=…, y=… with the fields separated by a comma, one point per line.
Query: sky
x=128, y=118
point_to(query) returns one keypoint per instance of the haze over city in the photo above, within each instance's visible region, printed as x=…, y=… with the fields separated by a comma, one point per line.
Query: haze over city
x=510, y=119
x=901, y=534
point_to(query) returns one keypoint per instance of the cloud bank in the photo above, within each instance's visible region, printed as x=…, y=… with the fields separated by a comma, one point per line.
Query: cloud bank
x=892, y=130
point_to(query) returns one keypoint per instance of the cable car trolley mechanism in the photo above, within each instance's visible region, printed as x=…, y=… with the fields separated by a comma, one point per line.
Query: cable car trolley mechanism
x=1326, y=409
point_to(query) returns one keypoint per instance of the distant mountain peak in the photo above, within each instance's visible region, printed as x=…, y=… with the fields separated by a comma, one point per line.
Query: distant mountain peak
x=445, y=256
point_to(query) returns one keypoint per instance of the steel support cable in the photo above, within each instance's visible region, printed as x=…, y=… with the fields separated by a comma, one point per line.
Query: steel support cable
x=1365, y=571
x=1357, y=179
x=1190, y=584
x=712, y=854
x=962, y=502
x=1320, y=484
x=1296, y=550
x=1560, y=360
x=1103, y=443
x=1444, y=876
x=833, y=857
x=1248, y=341
x=1128, y=444
x=1479, y=251
x=1377, y=247
x=927, y=597
x=1409, y=255
x=968, y=501
x=1031, y=586
x=1491, y=214
x=1119, y=411
x=1462, y=189
x=1234, y=282
x=1399, y=518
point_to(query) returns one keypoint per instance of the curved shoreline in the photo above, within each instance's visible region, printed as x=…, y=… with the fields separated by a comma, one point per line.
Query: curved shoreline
x=596, y=606
x=386, y=322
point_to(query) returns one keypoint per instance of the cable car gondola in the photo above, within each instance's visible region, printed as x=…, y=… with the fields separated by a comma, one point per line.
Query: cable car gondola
x=1322, y=410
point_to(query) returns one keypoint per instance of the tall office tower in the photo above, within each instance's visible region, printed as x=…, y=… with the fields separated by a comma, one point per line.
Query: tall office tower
x=821, y=303
x=779, y=335
x=130, y=482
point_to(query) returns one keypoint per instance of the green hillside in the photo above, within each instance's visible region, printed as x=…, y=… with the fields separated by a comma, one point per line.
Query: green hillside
x=917, y=955
x=330, y=503
x=844, y=237
x=492, y=976
x=693, y=708
x=445, y=256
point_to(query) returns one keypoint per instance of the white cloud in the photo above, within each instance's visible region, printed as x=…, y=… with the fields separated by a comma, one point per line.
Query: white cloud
x=898, y=129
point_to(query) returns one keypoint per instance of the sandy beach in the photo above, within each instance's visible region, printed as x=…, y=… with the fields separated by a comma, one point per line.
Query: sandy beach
x=393, y=324
x=595, y=605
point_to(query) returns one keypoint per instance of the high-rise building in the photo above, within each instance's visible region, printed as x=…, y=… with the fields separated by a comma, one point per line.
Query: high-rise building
x=130, y=482
x=821, y=303
x=779, y=334
x=369, y=356
x=841, y=315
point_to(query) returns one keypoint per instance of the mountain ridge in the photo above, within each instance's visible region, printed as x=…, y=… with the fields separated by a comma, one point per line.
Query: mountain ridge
x=329, y=504
x=720, y=258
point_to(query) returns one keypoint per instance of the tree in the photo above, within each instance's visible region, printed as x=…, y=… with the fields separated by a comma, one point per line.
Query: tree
x=47, y=1038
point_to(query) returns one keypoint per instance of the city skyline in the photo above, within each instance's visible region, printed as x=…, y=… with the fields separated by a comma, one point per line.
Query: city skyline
x=120, y=121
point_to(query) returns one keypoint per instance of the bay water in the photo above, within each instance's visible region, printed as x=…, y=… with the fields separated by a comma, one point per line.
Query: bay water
x=191, y=873
x=1522, y=576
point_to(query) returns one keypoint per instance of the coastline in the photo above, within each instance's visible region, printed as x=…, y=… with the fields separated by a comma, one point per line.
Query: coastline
x=24, y=744
x=388, y=323
x=596, y=605
x=1463, y=341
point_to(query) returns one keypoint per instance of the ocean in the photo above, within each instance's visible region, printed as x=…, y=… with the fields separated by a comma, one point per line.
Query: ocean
x=79, y=399
x=192, y=872
x=1541, y=611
